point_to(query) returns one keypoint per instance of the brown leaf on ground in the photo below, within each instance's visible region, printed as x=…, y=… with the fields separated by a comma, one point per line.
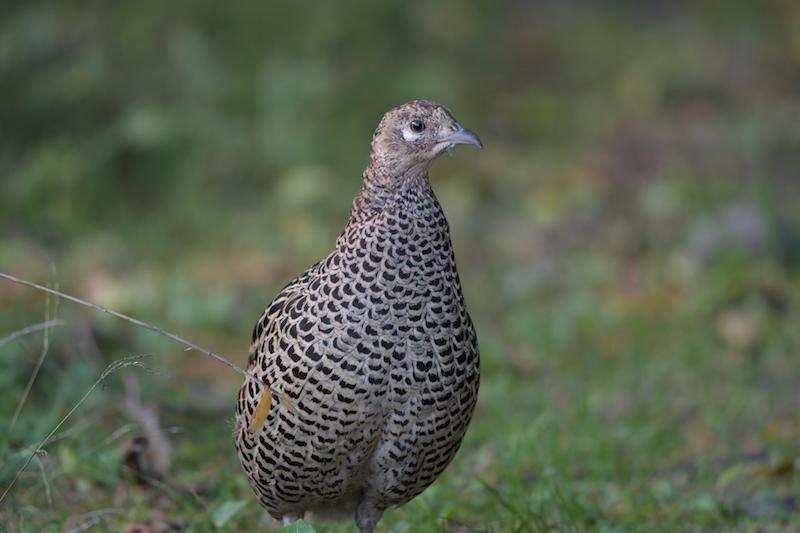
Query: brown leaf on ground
x=147, y=455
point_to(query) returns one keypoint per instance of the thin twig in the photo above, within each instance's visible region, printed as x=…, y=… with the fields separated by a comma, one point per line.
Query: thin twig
x=119, y=433
x=42, y=355
x=84, y=424
x=33, y=328
x=44, y=479
x=139, y=323
x=93, y=518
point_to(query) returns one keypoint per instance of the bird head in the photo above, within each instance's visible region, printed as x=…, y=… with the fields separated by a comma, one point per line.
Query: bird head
x=412, y=135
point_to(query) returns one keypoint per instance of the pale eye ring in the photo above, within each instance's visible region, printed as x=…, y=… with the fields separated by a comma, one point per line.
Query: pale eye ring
x=417, y=126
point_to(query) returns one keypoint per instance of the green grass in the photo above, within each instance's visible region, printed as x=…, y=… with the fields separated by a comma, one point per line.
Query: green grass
x=666, y=404
x=627, y=243
x=617, y=412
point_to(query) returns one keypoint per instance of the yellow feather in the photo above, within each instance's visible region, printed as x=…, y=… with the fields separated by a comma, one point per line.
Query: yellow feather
x=286, y=401
x=262, y=409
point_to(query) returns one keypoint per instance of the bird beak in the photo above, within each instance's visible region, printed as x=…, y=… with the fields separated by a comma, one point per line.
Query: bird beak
x=462, y=135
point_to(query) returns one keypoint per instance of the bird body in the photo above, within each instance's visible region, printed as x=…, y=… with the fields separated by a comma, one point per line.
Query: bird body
x=370, y=355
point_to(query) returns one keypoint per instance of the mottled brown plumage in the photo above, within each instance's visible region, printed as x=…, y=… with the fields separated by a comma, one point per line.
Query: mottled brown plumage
x=370, y=354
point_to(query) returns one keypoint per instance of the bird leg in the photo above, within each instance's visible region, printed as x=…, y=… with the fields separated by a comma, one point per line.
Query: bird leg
x=291, y=518
x=367, y=514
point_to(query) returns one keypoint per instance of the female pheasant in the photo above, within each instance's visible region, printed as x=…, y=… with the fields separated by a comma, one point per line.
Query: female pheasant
x=370, y=356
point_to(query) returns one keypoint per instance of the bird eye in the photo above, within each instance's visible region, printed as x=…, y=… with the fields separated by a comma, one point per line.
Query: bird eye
x=417, y=126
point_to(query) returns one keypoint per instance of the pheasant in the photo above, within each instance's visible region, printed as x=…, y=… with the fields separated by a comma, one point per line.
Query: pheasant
x=367, y=364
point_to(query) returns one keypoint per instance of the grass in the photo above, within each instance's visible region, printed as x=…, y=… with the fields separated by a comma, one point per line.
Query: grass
x=668, y=404
x=627, y=242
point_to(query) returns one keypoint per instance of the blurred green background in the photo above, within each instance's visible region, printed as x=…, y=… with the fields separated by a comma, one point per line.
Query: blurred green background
x=627, y=242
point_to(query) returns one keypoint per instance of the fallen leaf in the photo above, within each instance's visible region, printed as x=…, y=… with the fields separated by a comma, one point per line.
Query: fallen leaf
x=262, y=409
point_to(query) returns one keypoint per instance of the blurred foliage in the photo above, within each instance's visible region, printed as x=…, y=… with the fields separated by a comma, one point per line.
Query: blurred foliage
x=627, y=241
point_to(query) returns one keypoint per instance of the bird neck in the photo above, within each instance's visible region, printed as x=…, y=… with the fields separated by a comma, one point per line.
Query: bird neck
x=381, y=187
